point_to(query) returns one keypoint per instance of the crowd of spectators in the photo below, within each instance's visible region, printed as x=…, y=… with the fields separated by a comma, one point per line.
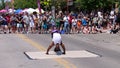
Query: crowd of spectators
x=66, y=23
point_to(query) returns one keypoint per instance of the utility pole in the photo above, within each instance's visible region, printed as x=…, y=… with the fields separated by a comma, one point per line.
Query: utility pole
x=67, y=6
x=69, y=3
x=53, y=8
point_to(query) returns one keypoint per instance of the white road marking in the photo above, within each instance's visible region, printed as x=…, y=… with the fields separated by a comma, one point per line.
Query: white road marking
x=52, y=55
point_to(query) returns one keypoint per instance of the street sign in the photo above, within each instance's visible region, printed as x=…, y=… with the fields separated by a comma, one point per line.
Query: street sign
x=70, y=2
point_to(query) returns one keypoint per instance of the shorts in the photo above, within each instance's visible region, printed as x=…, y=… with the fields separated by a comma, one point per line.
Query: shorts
x=57, y=41
x=56, y=38
x=5, y=26
x=4, y=23
x=19, y=25
x=44, y=26
x=31, y=24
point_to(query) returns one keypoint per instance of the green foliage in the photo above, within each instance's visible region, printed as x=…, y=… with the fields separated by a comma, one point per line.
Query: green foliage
x=61, y=4
x=25, y=4
x=94, y=4
x=2, y=5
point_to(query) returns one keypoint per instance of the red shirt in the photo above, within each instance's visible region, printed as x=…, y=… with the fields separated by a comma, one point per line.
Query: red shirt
x=8, y=19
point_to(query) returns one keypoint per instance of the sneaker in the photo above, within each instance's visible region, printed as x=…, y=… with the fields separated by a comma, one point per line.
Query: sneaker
x=4, y=32
x=63, y=53
x=47, y=53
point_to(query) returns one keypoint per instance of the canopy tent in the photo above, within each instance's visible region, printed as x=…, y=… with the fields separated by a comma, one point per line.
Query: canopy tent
x=11, y=10
x=25, y=10
x=37, y=10
x=30, y=10
x=3, y=11
x=18, y=11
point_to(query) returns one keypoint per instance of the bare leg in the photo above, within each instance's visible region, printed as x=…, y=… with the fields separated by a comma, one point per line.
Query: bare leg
x=63, y=47
x=50, y=46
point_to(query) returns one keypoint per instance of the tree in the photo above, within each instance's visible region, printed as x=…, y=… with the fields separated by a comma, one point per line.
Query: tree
x=94, y=4
x=59, y=4
x=87, y=5
x=2, y=5
x=25, y=4
x=45, y=4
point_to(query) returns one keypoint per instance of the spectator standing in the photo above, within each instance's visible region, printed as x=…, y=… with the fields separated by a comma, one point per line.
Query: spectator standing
x=26, y=21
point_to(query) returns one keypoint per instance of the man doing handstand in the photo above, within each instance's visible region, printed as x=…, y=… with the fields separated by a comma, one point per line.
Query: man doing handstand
x=56, y=40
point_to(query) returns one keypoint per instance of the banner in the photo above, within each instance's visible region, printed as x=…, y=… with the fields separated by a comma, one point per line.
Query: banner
x=6, y=5
x=12, y=2
x=39, y=7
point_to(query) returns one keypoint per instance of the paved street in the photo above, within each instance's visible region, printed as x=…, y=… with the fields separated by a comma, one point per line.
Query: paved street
x=13, y=46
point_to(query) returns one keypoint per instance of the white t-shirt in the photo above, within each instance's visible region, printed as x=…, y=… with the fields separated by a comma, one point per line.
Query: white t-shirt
x=74, y=22
x=99, y=14
x=66, y=18
x=56, y=38
x=112, y=13
x=31, y=22
x=112, y=17
x=26, y=19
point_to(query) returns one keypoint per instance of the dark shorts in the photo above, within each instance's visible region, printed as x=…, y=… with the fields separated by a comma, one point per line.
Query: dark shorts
x=4, y=23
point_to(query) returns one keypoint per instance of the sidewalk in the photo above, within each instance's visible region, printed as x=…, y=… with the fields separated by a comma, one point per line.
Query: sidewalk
x=97, y=38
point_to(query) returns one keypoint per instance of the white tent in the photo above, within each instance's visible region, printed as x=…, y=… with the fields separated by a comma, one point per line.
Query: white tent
x=30, y=10
x=37, y=10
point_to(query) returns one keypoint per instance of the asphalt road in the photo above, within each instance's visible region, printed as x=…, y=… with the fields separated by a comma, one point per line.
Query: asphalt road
x=13, y=46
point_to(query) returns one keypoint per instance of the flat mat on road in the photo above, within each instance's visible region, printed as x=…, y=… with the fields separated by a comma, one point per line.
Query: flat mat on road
x=52, y=55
